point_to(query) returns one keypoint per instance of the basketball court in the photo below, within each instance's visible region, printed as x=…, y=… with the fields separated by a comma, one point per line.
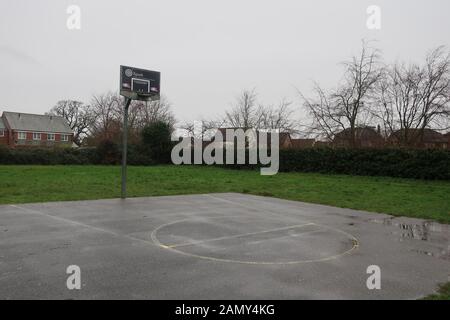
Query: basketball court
x=216, y=246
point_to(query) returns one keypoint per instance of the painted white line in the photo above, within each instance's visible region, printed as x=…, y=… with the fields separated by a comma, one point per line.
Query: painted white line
x=250, y=207
x=80, y=224
x=238, y=235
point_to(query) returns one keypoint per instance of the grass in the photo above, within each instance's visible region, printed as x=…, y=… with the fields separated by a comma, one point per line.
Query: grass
x=442, y=294
x=400, y=197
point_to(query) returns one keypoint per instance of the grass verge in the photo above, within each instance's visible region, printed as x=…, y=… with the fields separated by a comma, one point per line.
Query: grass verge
x=399, y=197
x=442, y=294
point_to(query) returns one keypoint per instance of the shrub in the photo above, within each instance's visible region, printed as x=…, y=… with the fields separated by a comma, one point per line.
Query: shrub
x=156, y=141
x=137, y=155
x=108, y=152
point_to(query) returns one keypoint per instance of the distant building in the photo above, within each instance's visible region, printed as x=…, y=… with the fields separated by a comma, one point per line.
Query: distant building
x=249, y=140
x=4, y=133
x=447, y=136
x=322, y=144
x=427, y=138
x=24, y=129
x=302, y=143
x=284, y=138
x=365, y=137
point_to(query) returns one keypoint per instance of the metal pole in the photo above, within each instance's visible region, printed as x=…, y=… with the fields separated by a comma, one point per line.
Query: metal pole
x=124, y=149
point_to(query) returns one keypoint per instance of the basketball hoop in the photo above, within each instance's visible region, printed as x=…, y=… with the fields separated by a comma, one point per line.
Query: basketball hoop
x=135, y=84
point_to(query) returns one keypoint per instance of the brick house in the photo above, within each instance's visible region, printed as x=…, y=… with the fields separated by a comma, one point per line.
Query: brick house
x=250, y=140
x=285, y=140
x=365, y=137
x=4, y=133
x=447, y=136
x=24, y=129
x=427, y=139
x=302, y=143
x=322, y=144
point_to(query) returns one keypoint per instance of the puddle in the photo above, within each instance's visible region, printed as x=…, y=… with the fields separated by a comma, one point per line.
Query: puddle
x=424, y=231
x=436, y=236
x=442, y=254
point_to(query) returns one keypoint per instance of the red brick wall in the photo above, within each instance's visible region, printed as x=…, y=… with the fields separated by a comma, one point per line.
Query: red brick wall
x=15, y=137
x=4, y=139
x=58, y=138
x=30, y=142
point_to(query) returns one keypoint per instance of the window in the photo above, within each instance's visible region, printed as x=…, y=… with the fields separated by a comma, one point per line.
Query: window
x=22, y=135
x=36, y=136
x=50, y=136
x=2, y=132
x=65, y=137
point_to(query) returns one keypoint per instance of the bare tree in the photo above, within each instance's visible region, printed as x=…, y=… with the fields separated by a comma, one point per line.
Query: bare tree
x=78, y=116
x=325, y=120
x=411, y=98
x=202, y=129
x=152, y=111
x=346, y=107
x=106, y=109
x=245, y=113
x=248, y=113
x=280, y=117
x=435, y=93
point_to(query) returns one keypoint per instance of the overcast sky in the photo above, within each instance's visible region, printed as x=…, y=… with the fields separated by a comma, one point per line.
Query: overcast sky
x=207, y=50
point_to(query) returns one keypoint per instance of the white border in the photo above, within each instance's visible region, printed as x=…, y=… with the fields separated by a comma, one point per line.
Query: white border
x=144, y=80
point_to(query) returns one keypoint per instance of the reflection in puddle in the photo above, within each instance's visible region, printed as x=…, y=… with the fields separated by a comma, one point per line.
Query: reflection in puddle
x=437, y=236
x=443, y=254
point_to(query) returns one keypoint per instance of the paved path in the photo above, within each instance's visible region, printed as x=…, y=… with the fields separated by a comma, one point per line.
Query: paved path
x=217, y=246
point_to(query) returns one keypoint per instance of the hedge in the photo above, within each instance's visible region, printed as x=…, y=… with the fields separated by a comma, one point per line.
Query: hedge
x=105, y=155
x=415, y=163
x=428, y=164
x=47, y=156
x=418, y=164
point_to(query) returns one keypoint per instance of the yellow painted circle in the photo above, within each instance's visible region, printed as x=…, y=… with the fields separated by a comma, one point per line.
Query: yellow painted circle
x=355, y=244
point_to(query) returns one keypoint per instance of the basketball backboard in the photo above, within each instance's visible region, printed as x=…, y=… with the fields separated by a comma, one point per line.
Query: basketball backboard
x=139, y=84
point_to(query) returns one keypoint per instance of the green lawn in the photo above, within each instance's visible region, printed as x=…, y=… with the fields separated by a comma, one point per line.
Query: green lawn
x=413, y=198
x=442, y=294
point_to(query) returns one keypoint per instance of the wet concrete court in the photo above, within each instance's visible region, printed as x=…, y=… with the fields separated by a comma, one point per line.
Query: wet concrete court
x=217, y=246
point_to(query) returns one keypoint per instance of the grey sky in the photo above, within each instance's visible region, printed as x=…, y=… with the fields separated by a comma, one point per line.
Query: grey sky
x=206, y=50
